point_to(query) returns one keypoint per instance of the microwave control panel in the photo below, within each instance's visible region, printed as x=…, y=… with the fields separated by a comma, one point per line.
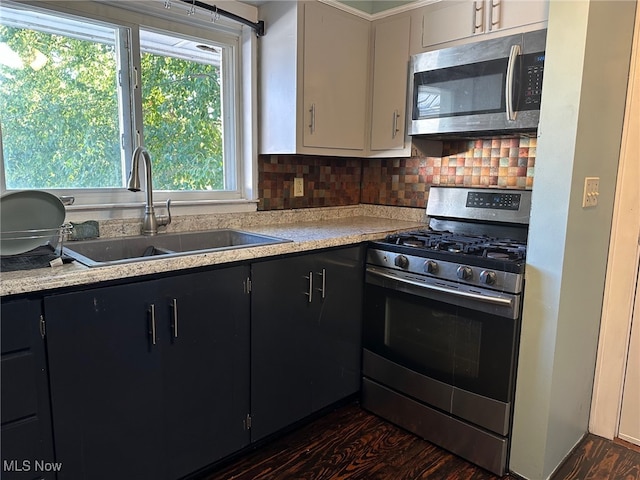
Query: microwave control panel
x=530, y=88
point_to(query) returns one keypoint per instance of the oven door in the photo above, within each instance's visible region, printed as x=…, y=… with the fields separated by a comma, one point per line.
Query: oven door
x=459, y=337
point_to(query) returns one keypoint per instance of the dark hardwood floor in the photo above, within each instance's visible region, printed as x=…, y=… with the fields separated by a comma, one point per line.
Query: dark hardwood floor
x=352, y=444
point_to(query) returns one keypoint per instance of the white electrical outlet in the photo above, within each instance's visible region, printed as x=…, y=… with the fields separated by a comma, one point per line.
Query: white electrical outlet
x=298, y=187
x=590, y=195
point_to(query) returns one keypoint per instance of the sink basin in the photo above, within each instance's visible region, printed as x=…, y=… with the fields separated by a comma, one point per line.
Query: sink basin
x=115, y=251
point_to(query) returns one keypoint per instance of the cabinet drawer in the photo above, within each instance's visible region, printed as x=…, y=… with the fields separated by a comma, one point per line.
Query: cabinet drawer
x=19, y=386
x=22, y=443
x=26, y=419
x=17, y=325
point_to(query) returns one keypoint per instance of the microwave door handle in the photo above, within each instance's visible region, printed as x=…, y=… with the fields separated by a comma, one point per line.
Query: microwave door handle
x=511, y=66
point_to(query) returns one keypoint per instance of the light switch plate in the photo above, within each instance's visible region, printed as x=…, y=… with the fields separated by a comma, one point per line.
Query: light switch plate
x=298, y=187
x=591, y=192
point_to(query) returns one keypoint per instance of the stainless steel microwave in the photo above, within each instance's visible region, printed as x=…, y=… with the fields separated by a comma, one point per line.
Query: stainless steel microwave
x=478, y=89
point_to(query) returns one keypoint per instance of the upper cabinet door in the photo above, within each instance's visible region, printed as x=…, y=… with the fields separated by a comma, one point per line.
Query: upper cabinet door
x=336, y=47
x=515, y=13
x=449, y=21
x=390, y=70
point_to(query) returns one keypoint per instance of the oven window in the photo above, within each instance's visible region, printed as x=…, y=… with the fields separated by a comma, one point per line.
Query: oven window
x=462, y=347
x=437, y=340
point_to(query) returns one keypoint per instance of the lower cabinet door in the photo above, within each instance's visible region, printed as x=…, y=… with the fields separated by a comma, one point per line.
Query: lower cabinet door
x=106, y=383
x=281, y=327
x=150, y=379
x=335, y=353
x=305, y=335
x=206, y=362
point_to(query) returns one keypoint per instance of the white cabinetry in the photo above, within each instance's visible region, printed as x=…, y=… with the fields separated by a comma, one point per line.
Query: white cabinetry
x=314, y=80
x=449, y=21
x=390, y=70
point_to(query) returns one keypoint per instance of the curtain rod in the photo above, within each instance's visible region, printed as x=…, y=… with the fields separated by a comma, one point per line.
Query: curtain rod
x=257, y=26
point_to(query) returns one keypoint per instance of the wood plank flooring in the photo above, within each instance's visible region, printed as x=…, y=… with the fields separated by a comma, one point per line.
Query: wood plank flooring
x=352, y=444
x=597, y=458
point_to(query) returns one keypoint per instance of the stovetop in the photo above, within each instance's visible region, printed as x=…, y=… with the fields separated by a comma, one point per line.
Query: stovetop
x=477, y=251
x=481, y=246
x=476, y=237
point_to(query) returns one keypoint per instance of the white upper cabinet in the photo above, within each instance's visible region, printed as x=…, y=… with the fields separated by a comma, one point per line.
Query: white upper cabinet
x=452, y=20
x=335, y=78
x=390, y=73
x=314, y=64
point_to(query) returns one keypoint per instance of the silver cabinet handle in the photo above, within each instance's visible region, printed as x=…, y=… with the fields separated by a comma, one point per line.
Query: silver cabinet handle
x=508, y=91
x=174, y=317
x=152, y=322
x=395, y=128
x=475, y=25
x=323, y=288
x=309, y=293
x=495, y=23
x=312, y=119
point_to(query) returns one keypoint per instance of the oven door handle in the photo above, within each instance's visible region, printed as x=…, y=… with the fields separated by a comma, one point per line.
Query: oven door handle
x=505, y=302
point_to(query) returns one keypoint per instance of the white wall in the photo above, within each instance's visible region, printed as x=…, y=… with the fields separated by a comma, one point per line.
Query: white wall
x=586, y=68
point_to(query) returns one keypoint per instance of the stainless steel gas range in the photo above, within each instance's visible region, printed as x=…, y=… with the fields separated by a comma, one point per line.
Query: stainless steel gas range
x=442, y=322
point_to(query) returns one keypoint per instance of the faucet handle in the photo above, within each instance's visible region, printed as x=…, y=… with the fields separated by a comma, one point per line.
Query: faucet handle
x=164, y=220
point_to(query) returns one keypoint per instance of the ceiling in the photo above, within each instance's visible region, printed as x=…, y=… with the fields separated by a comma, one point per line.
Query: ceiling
x=367, y=7
x=375, y=6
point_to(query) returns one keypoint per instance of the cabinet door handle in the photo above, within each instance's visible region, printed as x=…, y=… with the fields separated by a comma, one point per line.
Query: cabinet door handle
x=496, y=22
x=395, y=129
x=152, y=322
x=174, y=317
x=312, y=119
x=322, y=289
x=309, y=293
x=475, y=25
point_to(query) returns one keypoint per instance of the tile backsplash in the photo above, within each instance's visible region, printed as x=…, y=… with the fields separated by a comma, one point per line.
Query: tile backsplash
x=405, y=182
x=328, y=181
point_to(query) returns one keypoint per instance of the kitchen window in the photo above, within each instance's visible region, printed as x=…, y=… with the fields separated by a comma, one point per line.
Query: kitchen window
x=78, y=93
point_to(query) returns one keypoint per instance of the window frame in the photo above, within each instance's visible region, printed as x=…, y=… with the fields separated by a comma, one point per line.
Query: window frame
x=238, y=100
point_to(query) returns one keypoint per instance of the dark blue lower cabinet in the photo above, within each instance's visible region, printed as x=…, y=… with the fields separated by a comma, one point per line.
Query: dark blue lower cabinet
x=149, y=379
x=27, y=442
x=161, y=378
x=305, y=335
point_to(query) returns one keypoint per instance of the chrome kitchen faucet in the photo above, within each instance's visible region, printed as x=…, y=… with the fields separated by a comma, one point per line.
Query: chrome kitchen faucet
x=150, y=223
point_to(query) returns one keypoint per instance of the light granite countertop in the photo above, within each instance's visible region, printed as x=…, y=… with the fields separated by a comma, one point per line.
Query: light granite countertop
x=307, y=235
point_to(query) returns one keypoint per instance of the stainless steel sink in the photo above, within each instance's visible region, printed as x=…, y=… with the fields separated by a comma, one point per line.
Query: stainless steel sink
x=115, y=251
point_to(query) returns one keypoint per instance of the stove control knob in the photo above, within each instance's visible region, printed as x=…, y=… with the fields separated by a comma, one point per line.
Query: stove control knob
x=464, y=273
x=488, y=277
x=430, y=266
x=401, y=261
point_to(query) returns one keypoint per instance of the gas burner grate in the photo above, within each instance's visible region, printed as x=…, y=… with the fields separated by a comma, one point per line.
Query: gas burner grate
x=476, y=245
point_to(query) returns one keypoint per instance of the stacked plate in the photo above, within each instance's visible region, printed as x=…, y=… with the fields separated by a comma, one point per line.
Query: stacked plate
x=28, y=220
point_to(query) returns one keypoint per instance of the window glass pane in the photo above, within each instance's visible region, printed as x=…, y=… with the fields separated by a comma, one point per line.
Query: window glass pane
x=58, y=102
x=182, y=112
